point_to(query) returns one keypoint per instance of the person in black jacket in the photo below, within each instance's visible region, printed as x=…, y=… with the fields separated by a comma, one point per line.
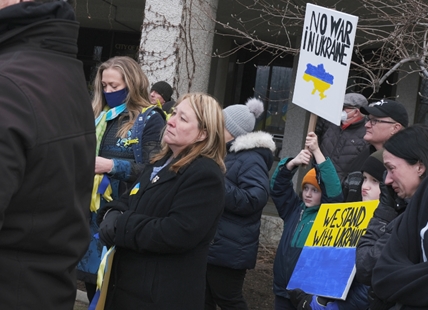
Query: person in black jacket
x=160, y=93
x=47, y=139
x=163, y=227
x=405, y=158
x=343, y=143
x=234, y=248
x=384, y=118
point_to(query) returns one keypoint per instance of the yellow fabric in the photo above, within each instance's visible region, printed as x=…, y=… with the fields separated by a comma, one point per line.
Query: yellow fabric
x=95, y=199
x=159, y=105
x=103, y=278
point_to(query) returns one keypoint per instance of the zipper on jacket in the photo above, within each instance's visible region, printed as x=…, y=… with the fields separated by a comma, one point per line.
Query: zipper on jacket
x=297, y=225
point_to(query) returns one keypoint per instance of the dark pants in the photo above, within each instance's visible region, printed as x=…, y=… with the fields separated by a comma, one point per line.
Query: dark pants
x=90, y=290
x=224, y=288
x=282, y=303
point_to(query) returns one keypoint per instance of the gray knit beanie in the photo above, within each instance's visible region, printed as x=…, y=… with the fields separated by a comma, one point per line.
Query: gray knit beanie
x=240, y=119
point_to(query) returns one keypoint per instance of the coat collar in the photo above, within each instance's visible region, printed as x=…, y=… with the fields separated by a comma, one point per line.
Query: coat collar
x=252, y=140
x=165, y=174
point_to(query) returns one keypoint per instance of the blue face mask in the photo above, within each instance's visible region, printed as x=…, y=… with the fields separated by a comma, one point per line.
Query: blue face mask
x=116, y=98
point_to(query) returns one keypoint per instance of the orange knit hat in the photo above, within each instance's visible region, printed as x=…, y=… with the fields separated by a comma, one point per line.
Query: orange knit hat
x=311, y=178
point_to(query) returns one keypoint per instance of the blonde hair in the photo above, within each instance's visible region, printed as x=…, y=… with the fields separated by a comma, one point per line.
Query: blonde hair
x=136, y=82
x=210, y=119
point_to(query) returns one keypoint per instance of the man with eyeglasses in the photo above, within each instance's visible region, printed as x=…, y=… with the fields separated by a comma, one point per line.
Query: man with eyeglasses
x=384, y=118
x=343, y=143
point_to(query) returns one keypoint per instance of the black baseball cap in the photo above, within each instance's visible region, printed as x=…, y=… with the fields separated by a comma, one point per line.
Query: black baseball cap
x=387, y=108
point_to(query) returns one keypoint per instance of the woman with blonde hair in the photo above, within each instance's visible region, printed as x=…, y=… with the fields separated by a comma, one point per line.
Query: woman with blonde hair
x=162, y=228
x=128, y=129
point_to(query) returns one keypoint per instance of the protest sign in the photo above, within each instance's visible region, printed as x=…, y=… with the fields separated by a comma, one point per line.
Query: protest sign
x=326, y=265
x=325, y=57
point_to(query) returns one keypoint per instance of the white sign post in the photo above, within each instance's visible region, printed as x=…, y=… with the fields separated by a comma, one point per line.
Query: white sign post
x=325, y=57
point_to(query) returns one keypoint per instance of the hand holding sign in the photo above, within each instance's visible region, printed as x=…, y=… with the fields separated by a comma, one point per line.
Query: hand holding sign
x=303, y=158
x=311, y=142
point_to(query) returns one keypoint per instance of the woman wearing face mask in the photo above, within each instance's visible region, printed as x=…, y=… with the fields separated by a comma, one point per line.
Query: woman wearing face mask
x=128, y=130
x=405, y=157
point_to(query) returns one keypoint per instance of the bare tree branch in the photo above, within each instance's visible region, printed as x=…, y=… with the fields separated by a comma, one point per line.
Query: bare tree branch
x=390, y=33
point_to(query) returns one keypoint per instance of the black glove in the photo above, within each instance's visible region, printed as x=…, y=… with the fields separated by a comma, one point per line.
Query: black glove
x=300, y=299
x=387, y=208
x=107, y=229
x=116, y=205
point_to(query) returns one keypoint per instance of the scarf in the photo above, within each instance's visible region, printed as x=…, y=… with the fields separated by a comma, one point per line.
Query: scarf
x=102, y=185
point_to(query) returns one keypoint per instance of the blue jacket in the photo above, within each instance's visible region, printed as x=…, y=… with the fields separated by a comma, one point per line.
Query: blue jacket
x=298, y=219
x=248, y=161
x=147, y=130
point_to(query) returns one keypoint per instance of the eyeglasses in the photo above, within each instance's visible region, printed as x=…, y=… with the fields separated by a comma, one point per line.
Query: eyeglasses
x=374, y=121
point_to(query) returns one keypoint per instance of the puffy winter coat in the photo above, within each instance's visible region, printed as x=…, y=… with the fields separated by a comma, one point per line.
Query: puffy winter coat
x=47, y=139
x=248, y=161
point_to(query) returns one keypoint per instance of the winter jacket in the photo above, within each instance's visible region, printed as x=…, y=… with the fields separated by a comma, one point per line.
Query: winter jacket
x=248, y=161
x=371, y=245
x=401, y=272
x=163, y=235
x=373, y=241
x=298, y=219
x=342, y=146
x=130, y=161
x=47, y=139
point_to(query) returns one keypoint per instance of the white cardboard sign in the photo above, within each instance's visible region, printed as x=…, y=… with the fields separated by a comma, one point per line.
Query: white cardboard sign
x=325, y=57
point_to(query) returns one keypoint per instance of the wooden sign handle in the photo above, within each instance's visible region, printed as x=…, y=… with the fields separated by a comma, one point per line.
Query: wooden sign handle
x=312, y=122
x=311, y=126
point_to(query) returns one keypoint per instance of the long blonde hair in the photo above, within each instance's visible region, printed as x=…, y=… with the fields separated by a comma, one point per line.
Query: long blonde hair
x=136, y=82
x=210, y=118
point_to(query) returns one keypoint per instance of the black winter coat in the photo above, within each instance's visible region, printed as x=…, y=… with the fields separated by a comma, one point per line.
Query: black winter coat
x=248, y=162
x=342, y=146
x=162, y=238
x=401, y=272
x=47, y=147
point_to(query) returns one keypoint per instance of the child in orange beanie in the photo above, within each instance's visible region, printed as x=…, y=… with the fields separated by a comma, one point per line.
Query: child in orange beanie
x=320, y=185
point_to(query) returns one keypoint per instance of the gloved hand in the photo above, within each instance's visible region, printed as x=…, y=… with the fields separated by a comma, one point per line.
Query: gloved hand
x=304, y=301
x=300, y=299
x=115, y=204
x=387, y=208
x=107, y=229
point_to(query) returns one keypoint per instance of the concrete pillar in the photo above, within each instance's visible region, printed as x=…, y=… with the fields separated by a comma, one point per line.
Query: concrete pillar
x=295, y=131
x=176, y=43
